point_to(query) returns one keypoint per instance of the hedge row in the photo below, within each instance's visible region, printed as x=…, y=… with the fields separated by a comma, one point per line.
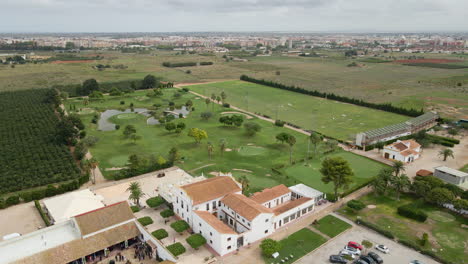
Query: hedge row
x=427, y=252
x=42, y=213
x=179, y=64
x=412, y=212
x=375, y=228
x=384, y=107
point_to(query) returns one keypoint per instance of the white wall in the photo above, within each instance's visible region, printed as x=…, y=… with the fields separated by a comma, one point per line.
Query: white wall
x=309, y=206
x=262, y=226
x=162, y=251
x=277, y=201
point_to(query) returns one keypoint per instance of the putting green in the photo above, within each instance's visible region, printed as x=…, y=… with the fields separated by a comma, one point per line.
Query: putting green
x=251, y=150
x=441, y=216
x=127, y=116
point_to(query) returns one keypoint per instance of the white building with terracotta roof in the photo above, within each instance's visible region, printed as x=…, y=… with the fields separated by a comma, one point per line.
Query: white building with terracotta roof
x=217, y=209
x=403, y=150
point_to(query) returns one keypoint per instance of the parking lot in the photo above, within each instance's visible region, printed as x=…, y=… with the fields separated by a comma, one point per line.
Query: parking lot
x=399, y=254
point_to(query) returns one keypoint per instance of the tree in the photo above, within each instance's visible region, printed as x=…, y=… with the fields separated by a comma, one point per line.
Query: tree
x=129, y=130
x=234, y=120
x=337, y=171
x=213, y=98
x=446, y=153
x=218, y=99
x=96, y=95
x=174, y=155
x=135, y=192
x=252, y=128
x=170, y=126
x=207, y=102
x=222, y=146
x=400, y=184
x=210, y=149
x=148, y=82
x=315, y=139
x=382, y=182
x=398, y=167
x=282, y=137
x=223, y=96
x=440, y=196
x=331, y=144
x=89, y=86
x=244, y=181
x=134, y=137
x=270, y=246
x=291, y=141
x=189, y=104
x=197, y=134
x=67, y=133
x=206, y=115
x=380, y=146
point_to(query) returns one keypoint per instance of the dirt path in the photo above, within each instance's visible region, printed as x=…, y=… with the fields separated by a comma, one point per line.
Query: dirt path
x=204, y=166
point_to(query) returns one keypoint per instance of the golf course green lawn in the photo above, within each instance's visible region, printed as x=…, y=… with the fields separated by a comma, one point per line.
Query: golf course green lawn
x=446, y=235
x=363, y=169
x=252, y=156
x=331, y=226
x=298, y=244
x=332, y=118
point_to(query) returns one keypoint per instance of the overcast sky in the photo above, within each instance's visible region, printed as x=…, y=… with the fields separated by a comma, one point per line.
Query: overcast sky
x=233, y=15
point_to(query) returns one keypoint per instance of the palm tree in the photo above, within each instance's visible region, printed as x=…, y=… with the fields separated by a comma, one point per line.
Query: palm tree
x=93, y=163
x=245, y=183
x=400, y=184
x=291, y=141
x=398, y=167
x=382, y=183
x=222, y=145
x=446, y=153
x=210, y=149
x=135, y=192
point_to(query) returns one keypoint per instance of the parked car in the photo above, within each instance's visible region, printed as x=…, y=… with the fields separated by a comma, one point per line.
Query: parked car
x=416, y=262
x=382, y=248
x=337, y=259
x=360, y=261
x=347, y=253
x=352, y=250
x=368, y=259
x=355, y=245
x=376, y=257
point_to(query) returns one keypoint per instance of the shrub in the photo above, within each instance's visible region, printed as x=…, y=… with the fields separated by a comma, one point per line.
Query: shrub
x=196, y=241
x=226, y=105
x=356, y=205
x=206, y=63
x=135, y=208
x=160, y=234
x=154, y=202
x=270, y=246
x=412, y=212
x=44, y=217
x=12, y=200
x=367, y=244
x=26, y=196
x=146, y=220
x=2, y=204
x=167, y=213
x=279, y=123
x=206, y=115
x=180, y=226
x=176, y=249
x=375, y=228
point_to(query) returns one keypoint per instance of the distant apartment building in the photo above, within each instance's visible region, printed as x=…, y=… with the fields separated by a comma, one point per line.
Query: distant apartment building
x=414, y=125
x=217, y=209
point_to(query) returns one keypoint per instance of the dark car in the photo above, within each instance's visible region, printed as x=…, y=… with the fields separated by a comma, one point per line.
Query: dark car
x=368, y=260
x=376, y=257
x=337, y=259
x=360, y=261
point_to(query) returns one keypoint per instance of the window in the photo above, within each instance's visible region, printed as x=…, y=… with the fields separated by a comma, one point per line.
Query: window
x=243, y=220
x=214, y=204
x=266, y=220
x=177, y=210
x=229, y=247
x=182, y=204
x=187, y=209
x=207, y=206
x=211, y=241
x=219, y=203
x=177, y=199
x=211, y=234
x=199, y=224
x=248, y=224
x=182, y=215
x=304, y=210
x=266, y=231
x=229, y=239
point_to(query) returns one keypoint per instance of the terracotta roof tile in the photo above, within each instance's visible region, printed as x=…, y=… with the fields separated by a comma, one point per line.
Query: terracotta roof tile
x=214, y=222
x=290, y=205
x=101, y=218
x=211, y=189
x=247, y=208
x=270, y=193
x=400, y=146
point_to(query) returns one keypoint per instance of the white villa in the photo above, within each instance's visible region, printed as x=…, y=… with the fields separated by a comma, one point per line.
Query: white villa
x=403, y=150
x=217, y=209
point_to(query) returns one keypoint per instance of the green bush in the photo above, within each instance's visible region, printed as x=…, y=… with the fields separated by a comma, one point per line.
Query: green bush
x=12, y=200
x=176, y=249
x=2, y=204
x=375, y=228
x=44, y=217
x=196, y=241
x=269, y=246
x=146, y=220
x=26, y=196
x=155, y=201
x=412, y=212
x=160, y=234
x=135, y=208
x=279, y=123
x=180, y=226
x=167, y=213
x=356, y=205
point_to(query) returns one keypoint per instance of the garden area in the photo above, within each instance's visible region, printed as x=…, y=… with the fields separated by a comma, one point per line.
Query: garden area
x=442, y=234
x=223, y=146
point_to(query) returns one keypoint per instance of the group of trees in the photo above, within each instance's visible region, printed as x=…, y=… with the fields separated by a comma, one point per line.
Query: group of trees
x=233, y=120
x=91, y=86
x=392, y=178
x=31, y=154
x=289, y=139
x=384, y=107
x=185, y=64
x=139, y=164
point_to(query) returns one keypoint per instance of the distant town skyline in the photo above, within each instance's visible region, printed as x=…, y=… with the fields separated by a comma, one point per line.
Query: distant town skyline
x=359, y=16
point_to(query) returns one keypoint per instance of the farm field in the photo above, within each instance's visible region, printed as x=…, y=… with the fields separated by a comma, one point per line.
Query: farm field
x=335, y=119
x=407, y=86
x=252, y=156
x=447, y=237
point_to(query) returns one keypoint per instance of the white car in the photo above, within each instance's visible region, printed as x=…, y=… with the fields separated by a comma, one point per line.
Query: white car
x=382, y=248
x=352, y=250
x=347, y=253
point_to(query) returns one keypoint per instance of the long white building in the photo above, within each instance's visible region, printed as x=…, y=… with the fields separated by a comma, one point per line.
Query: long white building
x=217, y=209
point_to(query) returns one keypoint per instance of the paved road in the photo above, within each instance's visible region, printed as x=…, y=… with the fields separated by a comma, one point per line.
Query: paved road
x=399, y=254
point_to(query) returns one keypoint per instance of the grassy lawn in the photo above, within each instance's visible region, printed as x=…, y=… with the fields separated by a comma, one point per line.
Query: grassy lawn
x=331, y=118
x=253, y=156
x=446, y=235
x=331, y=226
x=298, y=244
